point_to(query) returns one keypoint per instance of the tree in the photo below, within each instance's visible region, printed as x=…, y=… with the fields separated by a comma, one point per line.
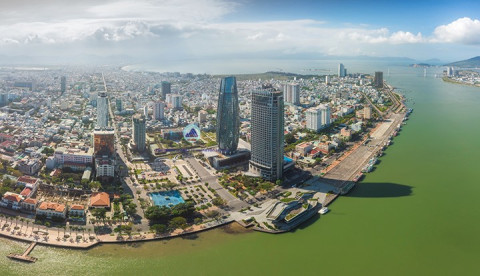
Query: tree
x=95, y=185
x=289, y=138
x=99, y=213
x=218, y=201
x=159, y=228
x=212, y=214
x=130, y=208
x=178, y=222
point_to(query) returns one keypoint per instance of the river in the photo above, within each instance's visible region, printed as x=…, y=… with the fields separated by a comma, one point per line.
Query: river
x=416, y=214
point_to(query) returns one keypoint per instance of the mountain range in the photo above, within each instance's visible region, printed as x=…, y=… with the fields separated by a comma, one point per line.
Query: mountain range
x=468, y=63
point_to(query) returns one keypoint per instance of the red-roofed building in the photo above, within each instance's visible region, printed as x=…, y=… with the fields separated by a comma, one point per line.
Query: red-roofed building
x=24, y=180
x=76, y=210
x=303, y=148
x=29, y=204
x=6, y=137
x=26, y=192
x=11, y=200
x=29, y=182
x=51, y=209
x=100, y=200
x=314, y=153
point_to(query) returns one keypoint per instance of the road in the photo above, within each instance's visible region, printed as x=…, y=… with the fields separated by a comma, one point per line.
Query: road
x=212, y=181
x=121, y=160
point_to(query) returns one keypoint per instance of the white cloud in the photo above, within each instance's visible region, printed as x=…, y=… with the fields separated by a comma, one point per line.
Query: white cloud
x=463, y=30
x=197, y=28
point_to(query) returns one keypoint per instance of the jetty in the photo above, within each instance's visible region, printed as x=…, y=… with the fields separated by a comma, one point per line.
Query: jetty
x=24, y=257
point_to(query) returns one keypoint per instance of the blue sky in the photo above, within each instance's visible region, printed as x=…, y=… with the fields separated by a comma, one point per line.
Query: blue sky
x=415, y=15
x=203, y=29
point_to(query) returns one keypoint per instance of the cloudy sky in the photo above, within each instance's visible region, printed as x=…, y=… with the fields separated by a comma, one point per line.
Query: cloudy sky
x=189, y=29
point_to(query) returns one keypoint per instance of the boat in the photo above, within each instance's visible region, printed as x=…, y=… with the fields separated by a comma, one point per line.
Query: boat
x=368, y=168
x=357, y=177
x=323, y=211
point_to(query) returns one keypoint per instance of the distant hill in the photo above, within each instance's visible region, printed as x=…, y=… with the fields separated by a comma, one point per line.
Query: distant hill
x=270, y=75
x=468, y=63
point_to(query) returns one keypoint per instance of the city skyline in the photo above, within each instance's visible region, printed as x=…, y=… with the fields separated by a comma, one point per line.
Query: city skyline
x=183, y=29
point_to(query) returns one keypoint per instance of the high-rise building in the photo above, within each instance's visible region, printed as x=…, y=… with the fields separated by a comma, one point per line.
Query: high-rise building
x=102, y=110
x=103, y=142
x=327, y=79
x=451, y=72
x=292, y=93
x=158, y=111
x=166, y=89
x=318, y=117
x=202, y=116
x=63, y=84
x=3, y=99
x=228, y=119
x=378, y=82
x=139, y=131
x=118, y=103
x=176, y=101
x=342, y=72
x=267, y=127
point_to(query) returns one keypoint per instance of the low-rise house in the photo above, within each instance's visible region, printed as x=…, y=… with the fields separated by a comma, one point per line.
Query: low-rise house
x=314, y=153
x=25, y=180
x=100, y=200
x=51, y=210
x=11, y=201
x=303, y=148
x=346, y=133
x=30, y=185
x=76, y=210
x=29, y=204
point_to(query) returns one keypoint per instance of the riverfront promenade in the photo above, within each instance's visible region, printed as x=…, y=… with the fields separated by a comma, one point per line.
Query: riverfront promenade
x=82, y=240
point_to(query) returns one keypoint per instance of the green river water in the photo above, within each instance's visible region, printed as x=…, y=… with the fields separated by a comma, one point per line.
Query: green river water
x=416, y=214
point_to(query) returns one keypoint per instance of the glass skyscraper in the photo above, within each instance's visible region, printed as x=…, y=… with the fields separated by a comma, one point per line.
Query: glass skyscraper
x=228, y=120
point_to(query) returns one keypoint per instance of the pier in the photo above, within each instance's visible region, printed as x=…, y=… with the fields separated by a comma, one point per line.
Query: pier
x=24, y=257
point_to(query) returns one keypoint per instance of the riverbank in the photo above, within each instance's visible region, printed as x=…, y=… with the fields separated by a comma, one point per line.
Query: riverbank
x=51, y=236
x=450, y=80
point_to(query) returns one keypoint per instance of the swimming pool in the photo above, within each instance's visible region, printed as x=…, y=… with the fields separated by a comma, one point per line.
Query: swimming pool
x=168, y=199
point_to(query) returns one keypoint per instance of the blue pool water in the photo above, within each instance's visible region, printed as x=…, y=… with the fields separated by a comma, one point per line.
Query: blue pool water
x=168, y=199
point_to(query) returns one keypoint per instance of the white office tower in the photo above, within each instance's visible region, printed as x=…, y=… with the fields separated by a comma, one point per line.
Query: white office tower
x=158, y=111
x=267, y=127
x=102, y=110
x=327, y=79
x=342, y=72
x=318, y=117
x=292, y=93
